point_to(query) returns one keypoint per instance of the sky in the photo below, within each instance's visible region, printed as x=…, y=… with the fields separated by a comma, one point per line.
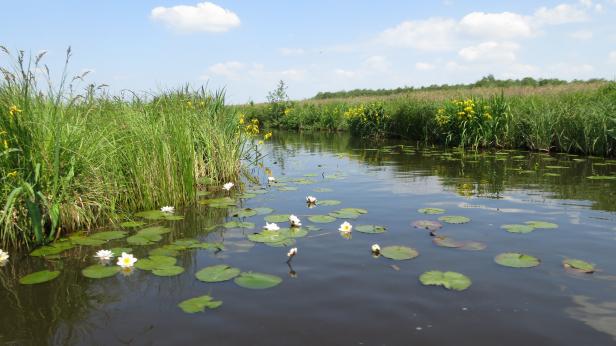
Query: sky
x=246, y=46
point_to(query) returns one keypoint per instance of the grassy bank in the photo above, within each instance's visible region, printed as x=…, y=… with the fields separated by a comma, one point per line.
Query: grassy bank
x=576, y=118
x=73, y=161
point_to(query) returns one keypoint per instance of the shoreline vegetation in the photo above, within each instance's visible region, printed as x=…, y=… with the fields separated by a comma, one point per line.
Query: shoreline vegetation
x=74, y=161
x=576, y=117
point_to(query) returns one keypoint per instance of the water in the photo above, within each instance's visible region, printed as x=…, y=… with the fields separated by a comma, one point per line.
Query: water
x=335, y=292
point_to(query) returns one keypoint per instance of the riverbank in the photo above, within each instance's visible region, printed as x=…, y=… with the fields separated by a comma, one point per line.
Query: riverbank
x=572, y=118
x=73, y=161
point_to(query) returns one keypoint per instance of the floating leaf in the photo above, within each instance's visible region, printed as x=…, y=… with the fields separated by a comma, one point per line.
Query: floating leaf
x=455, y=219
x=287, y=188
x=428, y=224
x=168, y=271
x=263, y=210
x=199, y=304
x=556, y=167
x=257, y=281
x=158, y=230
x=80, y=240
x=373, y=229
x=185, y=242
x=257, y=192
x=98, y=271
x=398, y=252
x=354, y=210
x=551, y=175
x=431, y=211
x=161, y=251
x=208, y=246
x=472, y=245
x=339, y=214
x=516, y=228
x=217, y=273
x=328, y=202
x=322, y=189
x=517, y=260
x=39, y=277
x=174, y=217
x=294, y=232
x=287, y=242
x=152, y=214
x=449, y=280
x=53, y=249
x=222, y=202
x=579, y=265
x=132, y=224
x=446, y=242
x=109, y=235
x=321, y=218
x=238, y=224
x=541, y=224
x=247, y=195
x=248, y=212
x=118, y=250
x=266, y=236
x=154, y=262
x=277, y=218
x=312, y=228
x=602, y=177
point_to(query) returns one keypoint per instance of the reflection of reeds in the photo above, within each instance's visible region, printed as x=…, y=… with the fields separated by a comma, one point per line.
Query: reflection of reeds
x=73, y=161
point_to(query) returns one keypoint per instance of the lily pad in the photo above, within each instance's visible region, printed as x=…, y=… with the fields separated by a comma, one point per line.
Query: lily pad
x=287, y=242
x=473, y=245
x=455, y=219
x=263, y=210
x=431, y=211
x=247, y=195
x=208, y=246
x=154, y=262
x=257, y=281
x=372, y=229
x=199, y=304
x=39, y=277
x=339, y=214
x=161, y=251
x=449, y=280
x=238, y=224
x=186, y=242
x=118, y=250
x=398, y=252
x=287, y=188
x=86, y=241
x=247, y=212
x=294, y=232
x=517, y=228
x=517, y=260
x=328, y=202
x=53, y=249
x=109, y=235
x=579, y=265
x=322, y=189
x=321, y=218
x=428, y=224
x=154, y=230
x=98, y=271
x=541, y=224
x=168, y=271
x=132, y=224
x=266, y=236
x=354, y=210
x=222, y=202
x=158, y=215
x=277, y=218
x=446, y=242
x=217, y=273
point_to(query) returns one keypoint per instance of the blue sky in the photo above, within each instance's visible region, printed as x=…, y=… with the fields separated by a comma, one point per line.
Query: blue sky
x=247, y=46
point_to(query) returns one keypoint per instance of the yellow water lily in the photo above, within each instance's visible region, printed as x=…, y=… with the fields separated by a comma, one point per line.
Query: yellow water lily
x=345, y=227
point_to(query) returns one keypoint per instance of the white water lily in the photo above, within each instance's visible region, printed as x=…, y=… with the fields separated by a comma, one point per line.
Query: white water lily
x=311, y=199
x=104, y=255
x=294, y=221
x=376, y=248
x=167, y=209
x=4, y=257
x=228, y=186
x=271, y=226
x=271, y=179
x=292, y=252
x=345, y=227
x=126, y=260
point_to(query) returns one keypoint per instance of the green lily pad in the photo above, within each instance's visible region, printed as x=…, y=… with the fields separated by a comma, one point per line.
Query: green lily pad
x=428, y=224
x=222, y=202
x=86, y=241
x=174, y=217
x=602, y=177
x=455, y=219
x=578, y=265
x=372, y=229
x=321, y=218
x=516, y=228
x=118, y=250
x=247, y=212
x=152, y=214
x=98, y=271
x=398, y=252
x=294, y=232
x=161, y=251
x=263, y=210
x=144, y=238
x=109, y=235
x=154, y=230
x=208, y=246
x=154, y=262
x=186, y=242
x=328, y=202
x=53, y=249
x=287, y=188
x=312, y=228
x=556, y=167
x=168, y=270
x=199, y=304
x=473, y=245
x=238, y=224
x=247, y=195
x=322, y=189
x=132, y=224
x=446, y=242
x=257, y=281
x=266, y=236
x=449, y=280
x=287, y=242
x=339, y=214
x=431, y=211
x=217, y=273
x=257, y=192
x=277, y=218
x=354, y=210
x=541, y=224
x=39, y=277
x=517, y=260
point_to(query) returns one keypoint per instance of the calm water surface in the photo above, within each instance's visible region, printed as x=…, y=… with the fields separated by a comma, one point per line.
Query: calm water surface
x=335, y=292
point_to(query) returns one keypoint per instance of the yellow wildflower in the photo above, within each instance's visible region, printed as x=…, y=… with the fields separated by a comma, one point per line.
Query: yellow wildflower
x=14, y=110
x=12, y=174
x=267, y=136
x=260, y=142
x=189, y=104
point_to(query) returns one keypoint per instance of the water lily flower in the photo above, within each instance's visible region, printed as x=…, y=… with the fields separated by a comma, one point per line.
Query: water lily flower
x=311, y=199
x=104, y=255
x=126, y=260
x=294, y=221
x=271, y=179
x=228, y=186
x=292, y=252
x=167, y=209
x=4, y=257
x=376, y=248
x=345, y=227
x=271, y=226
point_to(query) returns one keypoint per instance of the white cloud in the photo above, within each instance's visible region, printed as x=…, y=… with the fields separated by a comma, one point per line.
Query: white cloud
x=433, y=34
x=561, y=14
x=229, y=70
x=291, y=51
x=490, y=51
x=612, y=57
x=377, y=63
x=572, y=71
x=293, y=74
x=581, y=35
x=203, y=17
x=424, y=66
x=505, y=25
x=345, y=73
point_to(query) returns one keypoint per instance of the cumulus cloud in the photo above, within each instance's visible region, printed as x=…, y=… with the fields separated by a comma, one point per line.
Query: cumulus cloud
x=505, y=25
x=291, y=51
x=560, y=14
x=424, y=66
x=490, y=51
x=433, y=34
x=202, y=17
x=377, y=63
x=293, y=74
x=229, y=69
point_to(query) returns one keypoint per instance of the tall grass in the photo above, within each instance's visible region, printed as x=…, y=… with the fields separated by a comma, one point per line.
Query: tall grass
x=72, y=161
